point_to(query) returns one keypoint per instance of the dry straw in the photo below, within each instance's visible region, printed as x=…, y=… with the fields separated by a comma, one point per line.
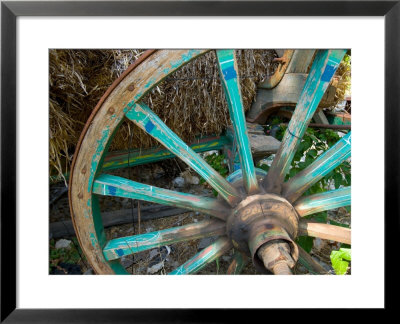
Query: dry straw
x=191, y=101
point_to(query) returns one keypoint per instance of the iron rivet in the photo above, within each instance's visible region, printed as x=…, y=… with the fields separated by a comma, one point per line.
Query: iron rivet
x=111, y=110
x=80, y=195
x=131, y=87
x=83, y=170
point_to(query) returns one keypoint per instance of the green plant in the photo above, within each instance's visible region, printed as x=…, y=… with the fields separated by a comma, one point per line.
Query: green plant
x=340, y=260
x=66, y=255
x=314, y=143
x=218, y=163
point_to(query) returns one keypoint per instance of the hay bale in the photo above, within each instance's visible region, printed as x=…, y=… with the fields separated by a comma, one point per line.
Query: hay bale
x=191, y=101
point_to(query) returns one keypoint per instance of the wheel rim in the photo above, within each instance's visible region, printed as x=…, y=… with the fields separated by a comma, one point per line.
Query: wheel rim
x=123, y=101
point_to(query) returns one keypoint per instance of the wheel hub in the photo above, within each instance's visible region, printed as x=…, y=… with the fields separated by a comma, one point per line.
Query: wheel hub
x=262, y=220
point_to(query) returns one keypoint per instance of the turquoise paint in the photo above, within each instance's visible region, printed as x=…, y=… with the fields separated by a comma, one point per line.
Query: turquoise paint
x=323, y=201
x=101, y=145
x=324, y=164
x=120, y=159
x=110, y=185
x=119, y=247
x=201, y=259
x=229, y=77
x=141, y=114
x=238, y=174
x=314, y=88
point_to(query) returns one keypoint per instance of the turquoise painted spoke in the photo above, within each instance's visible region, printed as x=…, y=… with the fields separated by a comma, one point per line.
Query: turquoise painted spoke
x=142, y=116
x=239, y=261
x=229, y=76
x=322, y=70
x=325, y=163
x=207, y=255
x=109, y=185
x=323, y=201
x=119, y=247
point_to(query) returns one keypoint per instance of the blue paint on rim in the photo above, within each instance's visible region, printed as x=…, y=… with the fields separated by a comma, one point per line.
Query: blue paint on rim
x=120, y=252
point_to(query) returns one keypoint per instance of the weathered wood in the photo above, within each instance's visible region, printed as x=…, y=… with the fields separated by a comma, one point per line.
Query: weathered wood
x=119, y=247
x=325, y=163
x=239, y=261
x=323, y=201
x=307, y=261
x=229, y=78
x=143, y=117
x=322, y=70
x=273, y=80
x=109, y=185
x=118, y=217
x=301, y=61
x=122, y=159
x=325, y=231
x=320, y=118
x=207, y=255
x=89, y=156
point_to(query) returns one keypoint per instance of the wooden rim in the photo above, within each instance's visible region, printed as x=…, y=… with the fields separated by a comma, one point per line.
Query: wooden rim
x=131, y=67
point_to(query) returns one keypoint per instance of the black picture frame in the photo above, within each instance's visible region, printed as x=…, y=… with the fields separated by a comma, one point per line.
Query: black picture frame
x=10, y=10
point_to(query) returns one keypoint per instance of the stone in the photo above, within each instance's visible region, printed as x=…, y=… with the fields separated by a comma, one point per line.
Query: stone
x=179, y=182
x=155, y=268
x=63, y=244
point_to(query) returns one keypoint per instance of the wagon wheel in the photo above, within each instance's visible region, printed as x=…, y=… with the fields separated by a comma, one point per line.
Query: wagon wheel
x=257, y=213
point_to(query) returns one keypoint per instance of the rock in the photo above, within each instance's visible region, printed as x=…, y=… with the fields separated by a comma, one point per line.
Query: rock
x=89, y=272
x=149, y=229
x=159, y=255
x=179, y=182
x=127, y=261
x=155, y=268
x=63, y=244
x=153, y=253
x=318, y=243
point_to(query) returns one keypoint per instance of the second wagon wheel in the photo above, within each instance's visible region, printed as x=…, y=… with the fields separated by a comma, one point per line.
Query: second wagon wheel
x=256, y=213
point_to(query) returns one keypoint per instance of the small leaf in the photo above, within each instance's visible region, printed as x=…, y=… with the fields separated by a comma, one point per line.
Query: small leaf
x=340, y=260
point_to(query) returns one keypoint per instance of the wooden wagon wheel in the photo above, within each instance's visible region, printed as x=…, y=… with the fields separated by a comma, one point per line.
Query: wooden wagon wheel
x=257, y=213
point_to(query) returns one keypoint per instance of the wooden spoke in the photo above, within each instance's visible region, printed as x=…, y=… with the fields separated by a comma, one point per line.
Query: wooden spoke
x=239, y=261
x=325, y=231
x=324, y=164
x=322, y=70
x=119, y=247
x=142, y=116
x=109, y=185
x=323, y=201
x=207, y=255
x=307, y=261
x=229, y=77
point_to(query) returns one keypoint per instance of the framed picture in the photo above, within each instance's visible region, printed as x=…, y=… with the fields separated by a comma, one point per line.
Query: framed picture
x=30, y=29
